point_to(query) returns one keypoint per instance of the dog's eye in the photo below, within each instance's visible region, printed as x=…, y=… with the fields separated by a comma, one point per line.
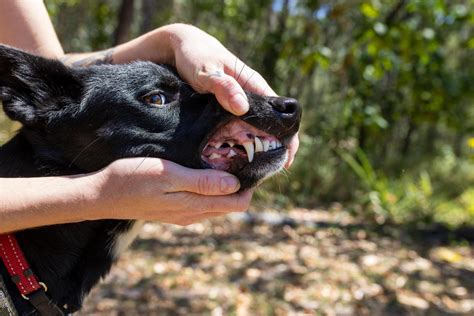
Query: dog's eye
x=155, y=98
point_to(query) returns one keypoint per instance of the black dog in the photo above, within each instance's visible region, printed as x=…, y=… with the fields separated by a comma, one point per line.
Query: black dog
x=80, y=120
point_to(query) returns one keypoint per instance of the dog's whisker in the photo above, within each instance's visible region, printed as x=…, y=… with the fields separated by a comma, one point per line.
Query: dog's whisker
x=278, y=184
x=250, y=77
x=235, y=67
x=284, y=173
x=83, y=150
x=138, y=166
x=241, y=70
x=250, y=117
x=127, y=180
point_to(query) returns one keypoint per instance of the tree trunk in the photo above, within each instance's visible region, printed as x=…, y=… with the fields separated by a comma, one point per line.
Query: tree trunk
x=272, y=43
x=407, y=139
x=149, y=7
x=125, y=20
x=362, y=137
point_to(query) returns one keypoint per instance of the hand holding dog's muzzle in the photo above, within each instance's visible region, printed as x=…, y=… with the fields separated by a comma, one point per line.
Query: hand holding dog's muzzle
x=209, y=67
x=157, y=189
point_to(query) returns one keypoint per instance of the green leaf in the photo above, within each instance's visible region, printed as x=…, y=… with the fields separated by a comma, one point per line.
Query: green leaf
x=369, y=10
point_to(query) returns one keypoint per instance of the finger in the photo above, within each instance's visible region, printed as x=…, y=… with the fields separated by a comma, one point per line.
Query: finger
x=226, y=89
x=292, y=149
x=199, y=204
x=202, y=182
x=248, y=78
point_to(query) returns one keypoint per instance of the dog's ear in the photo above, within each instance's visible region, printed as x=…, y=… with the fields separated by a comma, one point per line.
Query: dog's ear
x=33, y=88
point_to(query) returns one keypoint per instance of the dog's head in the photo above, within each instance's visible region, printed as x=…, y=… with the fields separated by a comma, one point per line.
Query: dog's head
x=86, y=118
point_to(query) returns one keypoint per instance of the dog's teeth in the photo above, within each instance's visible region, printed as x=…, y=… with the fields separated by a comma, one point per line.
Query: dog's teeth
x=273, y=145
x=231, y=154
x=266, y=145
x=214, y=156
x=278, y=143
x=249, y=149
x=231, y=144
x=258, y=145
x=218, y=145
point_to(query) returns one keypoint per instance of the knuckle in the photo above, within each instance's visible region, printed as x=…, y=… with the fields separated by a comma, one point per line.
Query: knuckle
x=228, y=84
x=160, y=166
x=201, y=80
x=204, y=185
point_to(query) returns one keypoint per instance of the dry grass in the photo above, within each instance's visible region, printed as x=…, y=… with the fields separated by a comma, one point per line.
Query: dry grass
x=307, y=262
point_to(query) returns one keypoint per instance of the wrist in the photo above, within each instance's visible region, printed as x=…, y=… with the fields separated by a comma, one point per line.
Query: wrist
x=97, y=204
x=157, y=46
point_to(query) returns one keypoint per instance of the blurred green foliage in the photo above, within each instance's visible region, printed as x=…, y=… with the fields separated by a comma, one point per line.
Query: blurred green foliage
x=385, y=86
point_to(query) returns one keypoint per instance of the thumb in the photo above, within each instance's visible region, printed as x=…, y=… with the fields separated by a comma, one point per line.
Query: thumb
x=204, y=182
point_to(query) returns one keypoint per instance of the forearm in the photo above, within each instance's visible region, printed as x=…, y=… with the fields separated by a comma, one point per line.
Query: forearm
x=25, y=24
x=34, y=202
x=154, y=46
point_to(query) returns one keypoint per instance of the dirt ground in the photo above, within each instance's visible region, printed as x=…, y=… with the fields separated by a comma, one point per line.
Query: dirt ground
x=304, y=262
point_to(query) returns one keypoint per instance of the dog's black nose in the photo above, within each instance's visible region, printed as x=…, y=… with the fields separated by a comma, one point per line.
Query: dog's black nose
x=287, y=107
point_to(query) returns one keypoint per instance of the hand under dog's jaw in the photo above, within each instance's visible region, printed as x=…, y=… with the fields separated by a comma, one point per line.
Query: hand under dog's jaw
x=238, y=144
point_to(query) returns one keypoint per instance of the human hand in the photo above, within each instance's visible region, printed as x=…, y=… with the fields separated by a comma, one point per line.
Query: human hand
x=292, y=149
x=209, y=67
x=156, y=189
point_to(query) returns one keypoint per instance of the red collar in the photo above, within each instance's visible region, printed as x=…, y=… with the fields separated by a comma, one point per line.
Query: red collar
x=25, y=280
x=17, y=266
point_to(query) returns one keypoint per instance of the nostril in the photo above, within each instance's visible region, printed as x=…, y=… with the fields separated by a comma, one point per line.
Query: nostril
x=285, y=105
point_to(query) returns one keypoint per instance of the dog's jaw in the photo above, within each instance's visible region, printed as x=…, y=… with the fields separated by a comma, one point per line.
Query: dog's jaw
x=244, y=150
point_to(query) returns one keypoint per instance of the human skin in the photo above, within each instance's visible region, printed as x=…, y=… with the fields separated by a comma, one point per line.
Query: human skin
x=131, y=188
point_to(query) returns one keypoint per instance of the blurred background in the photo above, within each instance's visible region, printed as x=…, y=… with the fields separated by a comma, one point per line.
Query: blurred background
x=375, y=217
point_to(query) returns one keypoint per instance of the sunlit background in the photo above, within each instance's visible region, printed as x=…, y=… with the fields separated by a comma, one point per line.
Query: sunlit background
x=376, y=216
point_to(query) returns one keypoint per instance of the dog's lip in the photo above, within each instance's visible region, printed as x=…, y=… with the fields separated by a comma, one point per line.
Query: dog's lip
x=236, y=142
x=238, y=163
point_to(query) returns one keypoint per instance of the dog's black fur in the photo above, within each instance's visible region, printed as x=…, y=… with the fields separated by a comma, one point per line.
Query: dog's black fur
x=80, y=120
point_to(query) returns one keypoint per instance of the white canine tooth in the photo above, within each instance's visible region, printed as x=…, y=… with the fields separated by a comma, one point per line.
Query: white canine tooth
x=266, y=145
x=258, y=145
x=218, y=145
x=278, y=143
x=249, y=149
x=273, y=144
x=214, y=156
x=231, y=143
x=231, y=154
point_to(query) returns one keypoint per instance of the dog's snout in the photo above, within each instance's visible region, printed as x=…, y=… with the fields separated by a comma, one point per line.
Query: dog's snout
x=286, y=106
x=287, y=110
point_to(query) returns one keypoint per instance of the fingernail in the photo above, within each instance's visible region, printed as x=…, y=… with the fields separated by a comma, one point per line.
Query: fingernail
x=239, y=104
x=229, y=184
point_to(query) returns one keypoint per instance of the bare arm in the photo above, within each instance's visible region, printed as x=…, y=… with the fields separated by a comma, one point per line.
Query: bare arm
x=127, y=189
x=25, y=24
